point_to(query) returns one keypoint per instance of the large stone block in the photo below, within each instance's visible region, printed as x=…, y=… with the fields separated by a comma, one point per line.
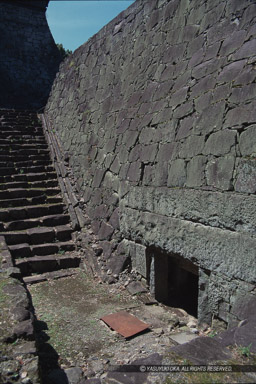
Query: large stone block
x=134, y=171
x=220, y=143
x=231, y=71
x=247, y=50
x=247, y=141
x=138, y=255
x=243, y=114
x=243, y=94
x=185, y=127
x=215, y=209
x=192, y=146
x=246, y=176
x=177, y=173
x=233, y=42
x=196, y=172
x=214, y=249
x=219, y=172
x=210, y=119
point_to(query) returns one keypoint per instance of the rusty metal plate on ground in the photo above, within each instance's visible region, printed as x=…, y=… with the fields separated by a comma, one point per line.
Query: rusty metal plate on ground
x=124, y=323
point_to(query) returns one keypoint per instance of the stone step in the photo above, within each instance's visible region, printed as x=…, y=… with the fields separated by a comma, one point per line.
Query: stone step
x=5, y=171
x=14, y=114
x=17, y=157
x=49, y=249
x=30, y=177
x=26, y=152
x=11, y=146
x=50, y=276
x=42, y=264
x=25, y=184
x=36, y=236
x=19, y=136
x=26, y=139
x=33, y=218
x=54, y=199
x=44, y=221
x=20, y=193
x=15, y=131
x=24, y=164
x=24, y=213
x=20, y=124
x=23, y=202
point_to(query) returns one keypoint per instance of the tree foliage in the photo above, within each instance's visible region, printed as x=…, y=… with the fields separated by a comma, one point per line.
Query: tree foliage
x=63, y=52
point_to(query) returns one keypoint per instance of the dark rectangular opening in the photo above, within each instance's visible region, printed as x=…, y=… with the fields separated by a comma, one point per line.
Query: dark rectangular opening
x=175, y=280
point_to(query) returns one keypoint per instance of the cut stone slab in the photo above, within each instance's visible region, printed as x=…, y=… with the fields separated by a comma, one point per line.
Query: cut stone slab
x=49, y=275
x=242, y=336
x=202, y=350
x=28, y=348
x=20, y=250
x=183, y=337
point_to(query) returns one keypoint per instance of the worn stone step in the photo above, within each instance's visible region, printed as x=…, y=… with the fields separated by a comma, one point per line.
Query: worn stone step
x=20, y=123
x=27, y=152
x=13, y=113
x=19, y=251
x=45, y=221
x=22, y=146
x=19, y=136
x=32, y=236
x=54, y=199
x=45, y=184
x=23, y=124
x=63, y=232
x=25, y=139
x=42, y=264
x=49, y=249
x=23, y=202
x=38, y=236
x=19, y=157
x=15, y=131
x=18, y=193
x=30, y=177
x=5, y=171
x=50, y=276
x=25, y=164
x=23, y=213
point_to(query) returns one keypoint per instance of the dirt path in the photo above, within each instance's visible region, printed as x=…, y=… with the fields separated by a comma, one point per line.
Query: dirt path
x=71, y=334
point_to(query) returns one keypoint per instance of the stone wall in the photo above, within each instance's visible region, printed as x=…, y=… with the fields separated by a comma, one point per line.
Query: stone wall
x=156, y=114
x=29, y=58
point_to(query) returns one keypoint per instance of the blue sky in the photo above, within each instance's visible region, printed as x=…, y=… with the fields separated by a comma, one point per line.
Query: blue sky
x=74, y=22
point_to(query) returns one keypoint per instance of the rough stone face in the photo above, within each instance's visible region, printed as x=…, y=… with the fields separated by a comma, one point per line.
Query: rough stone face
x=246, y=176
x=220, y=143
x=202, y=350
x=247, y=141
x=177, y=173
x=196, y=172
x=165, y=120
x=220, y=172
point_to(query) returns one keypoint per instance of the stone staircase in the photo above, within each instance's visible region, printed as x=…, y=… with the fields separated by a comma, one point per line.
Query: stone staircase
x=33, y=219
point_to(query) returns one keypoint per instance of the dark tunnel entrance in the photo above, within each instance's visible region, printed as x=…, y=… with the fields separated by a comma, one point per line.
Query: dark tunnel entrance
x=173, y=280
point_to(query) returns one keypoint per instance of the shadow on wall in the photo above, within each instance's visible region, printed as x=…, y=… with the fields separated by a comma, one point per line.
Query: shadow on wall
x=30, y=56
x=175, y=280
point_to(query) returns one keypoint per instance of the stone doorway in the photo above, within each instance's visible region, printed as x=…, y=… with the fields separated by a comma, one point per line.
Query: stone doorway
x=173, y=280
